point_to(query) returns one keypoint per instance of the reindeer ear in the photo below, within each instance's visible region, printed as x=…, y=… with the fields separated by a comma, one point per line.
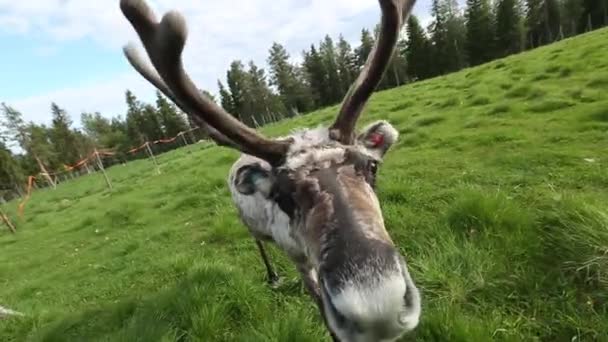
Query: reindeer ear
x=253, y=178
x=378, y=137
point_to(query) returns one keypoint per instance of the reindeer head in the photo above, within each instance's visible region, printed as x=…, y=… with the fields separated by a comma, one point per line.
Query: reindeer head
x=323, y=179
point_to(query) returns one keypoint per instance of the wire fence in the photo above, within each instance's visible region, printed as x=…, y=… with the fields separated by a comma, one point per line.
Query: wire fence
x=97, y=161
x=101, y=159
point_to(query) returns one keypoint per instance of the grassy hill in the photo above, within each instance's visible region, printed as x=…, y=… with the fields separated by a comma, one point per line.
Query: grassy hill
x=497, y=193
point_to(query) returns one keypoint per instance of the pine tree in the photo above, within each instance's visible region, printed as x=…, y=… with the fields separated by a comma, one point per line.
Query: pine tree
x=456, y=33
x=143, y=122
x=151, y=126
x=542, y=21
x=328, y=55
x=294, y=93
x=118, y=138
x=173, y=122
x=225, y=98
x=11, y=173
x=104, y=133
x=263, y=102
x=365, y=48
x=572, y=13
x=595, y=15
x=509, y=30
x=347, y=65
x=33, y=139
x=39, y=145
x=316, y=76
x=438, y=34
x=417, y=50
x=13, y=128
x=480, y=32
x=134, y=119
x=304, y=91
x=236, y=78
x=281, y=73
x=448, y=36
x=396, y=71
x=552, y=19
x=61, y=136
x=84, y=145
x=95, y=126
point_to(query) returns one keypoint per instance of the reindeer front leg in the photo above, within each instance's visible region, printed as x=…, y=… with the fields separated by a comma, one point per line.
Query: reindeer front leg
x=311, y=283
x=273, y=278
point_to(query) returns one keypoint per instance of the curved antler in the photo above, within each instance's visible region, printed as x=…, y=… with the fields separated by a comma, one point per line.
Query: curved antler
x=394, y=15
x=164, y=42
x=151, y=76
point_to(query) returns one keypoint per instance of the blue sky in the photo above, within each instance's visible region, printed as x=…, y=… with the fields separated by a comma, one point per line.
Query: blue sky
x=69, y=51
x=29, y=67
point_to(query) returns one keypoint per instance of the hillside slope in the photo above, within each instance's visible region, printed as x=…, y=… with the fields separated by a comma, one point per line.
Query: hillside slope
x=497, y=193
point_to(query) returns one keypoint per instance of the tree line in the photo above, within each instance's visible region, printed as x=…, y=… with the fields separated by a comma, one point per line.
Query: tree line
x=57, y=146
x=455, y=38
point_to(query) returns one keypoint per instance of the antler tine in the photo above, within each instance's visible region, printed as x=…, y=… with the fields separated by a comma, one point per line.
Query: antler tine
x=164, y=43
x=151, y=76
x=394, y=15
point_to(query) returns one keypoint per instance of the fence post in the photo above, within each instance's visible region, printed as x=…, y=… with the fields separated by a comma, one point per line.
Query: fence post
x=8, y=223
x=45, y=173
x=152, y=156
x=103, y=170
x=183, y=138
x=86, y=166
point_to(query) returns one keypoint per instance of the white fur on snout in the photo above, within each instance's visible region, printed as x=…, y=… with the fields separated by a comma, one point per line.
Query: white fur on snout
x=378, y=304
x=411, y=317
x=364, y=303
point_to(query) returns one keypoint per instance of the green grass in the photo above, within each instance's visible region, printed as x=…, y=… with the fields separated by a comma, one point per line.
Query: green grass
x=497, y=193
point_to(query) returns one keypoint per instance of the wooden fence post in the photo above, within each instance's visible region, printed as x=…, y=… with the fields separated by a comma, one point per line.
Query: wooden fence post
x=152, y=156
x=183, y=138
x=8, y=223
x=103, y=170
x=45, y=173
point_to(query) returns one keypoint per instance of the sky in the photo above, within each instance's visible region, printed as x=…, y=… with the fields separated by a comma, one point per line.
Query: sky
x=70, y=51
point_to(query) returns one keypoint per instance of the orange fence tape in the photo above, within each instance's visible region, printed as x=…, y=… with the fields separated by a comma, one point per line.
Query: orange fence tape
x=79, y=163
x=30, y=182
x=165, y=141
x=106, y=153
x=161, y=141
x=133, y=150
x=68, y=168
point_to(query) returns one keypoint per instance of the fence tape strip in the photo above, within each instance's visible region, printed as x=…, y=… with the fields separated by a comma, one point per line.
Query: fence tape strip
x=30, y=182
x=68, y=168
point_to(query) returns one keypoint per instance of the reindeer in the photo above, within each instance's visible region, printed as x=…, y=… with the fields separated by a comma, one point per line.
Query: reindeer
x=311, y=192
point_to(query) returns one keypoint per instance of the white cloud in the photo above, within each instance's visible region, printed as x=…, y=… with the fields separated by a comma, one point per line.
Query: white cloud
x=219, y=32
x=106, y=97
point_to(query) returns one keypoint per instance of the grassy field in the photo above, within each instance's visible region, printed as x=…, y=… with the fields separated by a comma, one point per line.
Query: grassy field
x=497, y=193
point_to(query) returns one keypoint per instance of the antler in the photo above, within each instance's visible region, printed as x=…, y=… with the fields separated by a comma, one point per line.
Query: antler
x=164, y=42
x=149, y=74
x=394, y=15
